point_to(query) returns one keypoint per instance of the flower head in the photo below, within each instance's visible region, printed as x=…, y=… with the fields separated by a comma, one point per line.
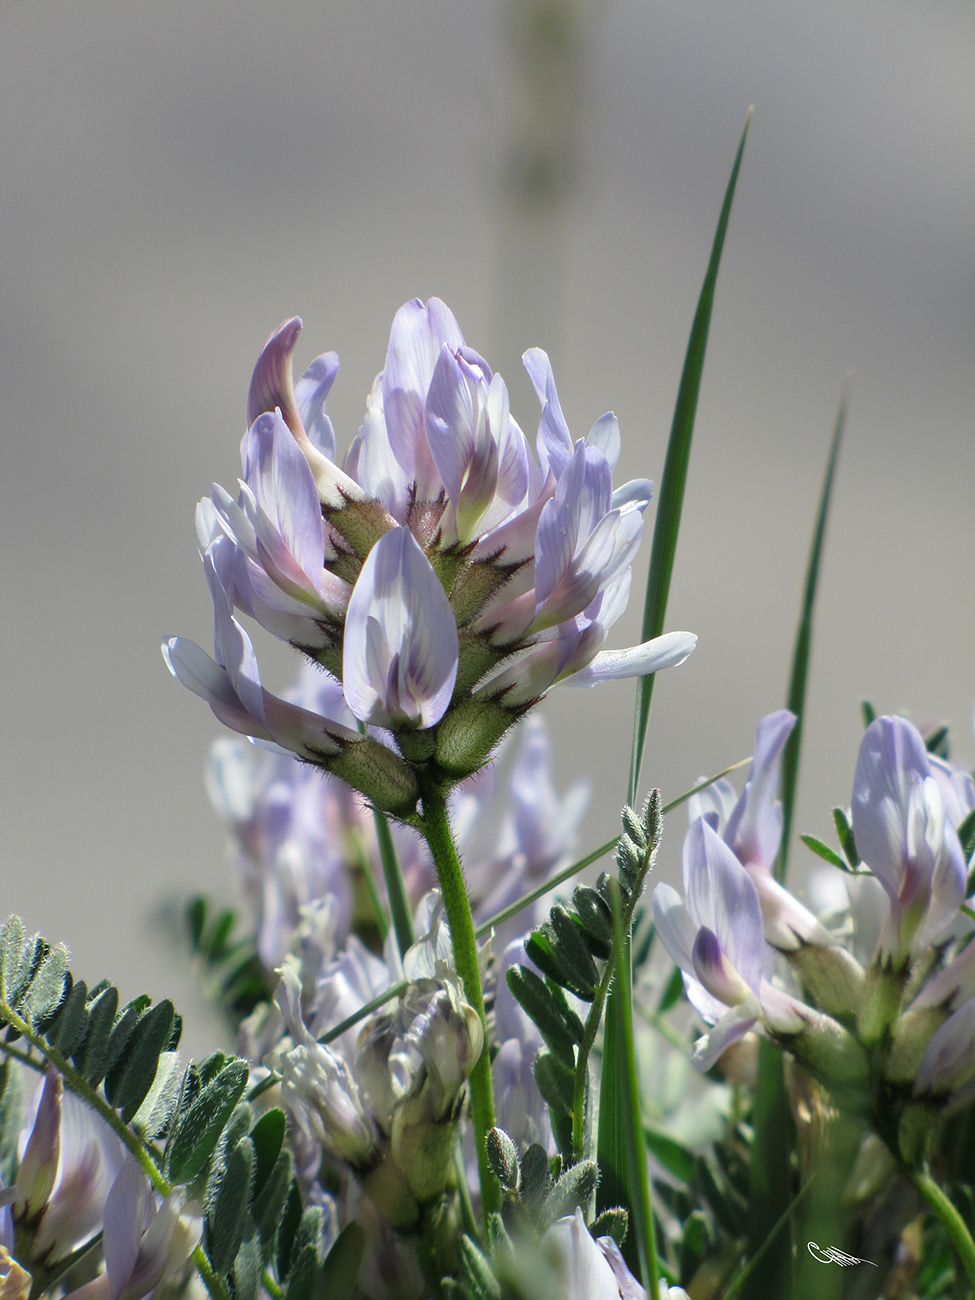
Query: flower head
x=904, y=836
x=445, y=574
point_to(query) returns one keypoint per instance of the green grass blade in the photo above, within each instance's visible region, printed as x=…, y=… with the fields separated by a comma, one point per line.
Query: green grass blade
x=770, y=1169
x=399, y=905
x=800, y=659
x=671, y=498
x=611, y=1149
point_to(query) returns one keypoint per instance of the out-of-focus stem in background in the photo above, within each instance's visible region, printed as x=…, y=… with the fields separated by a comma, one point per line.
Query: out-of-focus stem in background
x=547, y=48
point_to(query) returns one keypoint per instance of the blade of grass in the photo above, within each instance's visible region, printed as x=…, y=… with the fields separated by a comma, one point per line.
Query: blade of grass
x=399, y=904
x=771, y=1164
x=671, y=499
x=611, y=1151
x=800, y=659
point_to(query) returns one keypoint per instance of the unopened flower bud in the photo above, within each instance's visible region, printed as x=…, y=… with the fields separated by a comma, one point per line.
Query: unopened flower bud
x=317, y=1085
x=39, y=1168
x=470, y=732
x=832, y=975
x=912, y=1036
x=831, y=1053
x=949, y=1061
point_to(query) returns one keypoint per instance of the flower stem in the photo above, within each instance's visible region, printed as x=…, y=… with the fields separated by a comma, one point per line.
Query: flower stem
x=951, y=1220
x=435, y=826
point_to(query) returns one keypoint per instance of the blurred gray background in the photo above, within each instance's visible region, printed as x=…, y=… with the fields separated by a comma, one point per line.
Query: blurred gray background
x=179, y=177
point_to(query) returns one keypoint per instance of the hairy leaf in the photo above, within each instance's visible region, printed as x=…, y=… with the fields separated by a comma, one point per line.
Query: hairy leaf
x=547, y=1007
x=198, y=1129
x=133, y=1076
x=227, y=1216
x=92, y=1058
x=342, y=1262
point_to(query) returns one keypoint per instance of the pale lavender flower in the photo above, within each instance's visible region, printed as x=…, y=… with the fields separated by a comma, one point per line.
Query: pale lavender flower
x=399, y=658
x=40, y=1155
x=537, y=835
x=948, y=1064
x=69, y=1158
x=454, y=577
x=957, y=789
x=277, y=530
x=717, y=940
x=570, y=1263
x=385, y=1098
x=904, y=836
x=231, y=685
x=753, y=831
x=144, y=1242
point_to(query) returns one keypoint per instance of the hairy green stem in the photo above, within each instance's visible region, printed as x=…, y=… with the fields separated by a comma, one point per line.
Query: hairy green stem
x=435, y=827
x=593, y=1021
x=641, y=1205
x=951, y=1220
x=81, y=1088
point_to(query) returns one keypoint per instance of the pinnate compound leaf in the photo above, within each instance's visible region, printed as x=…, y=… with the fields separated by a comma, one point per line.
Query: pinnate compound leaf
x=502, y=1156
x=118, y=1042
x=270, y=1201
x=536, y=1179
x=132, y=1078
x=478, y=1276
x=966, y=833
x=200, y=1125
x=268, y=1138
x=11, y=953
x=573, y=1188
x=10, y=1120
x=555, y=1082
x=70, y=1027
x=305, y=1276
x=547, y=1007
x=92, y=1060
x=844, y=832
x=824, y=851
x=227, y=1217
x=154, y=1114
x=47, y=987
x=288, y=1231
x=594, y=913
x=211, y=1066
x=247, y=1269
x=342, y=1263
x=572, y=951
x=613, y=1223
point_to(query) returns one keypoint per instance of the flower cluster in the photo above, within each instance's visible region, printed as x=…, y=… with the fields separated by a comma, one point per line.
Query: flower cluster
x=895, y=1038
x=75, y=1181
x=445, y=574
x=376, y=1109
x=303, y=840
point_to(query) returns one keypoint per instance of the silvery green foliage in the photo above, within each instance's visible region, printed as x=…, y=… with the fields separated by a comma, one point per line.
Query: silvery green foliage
x=571, y=949
x=206, y=1140
x=537, y=1191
